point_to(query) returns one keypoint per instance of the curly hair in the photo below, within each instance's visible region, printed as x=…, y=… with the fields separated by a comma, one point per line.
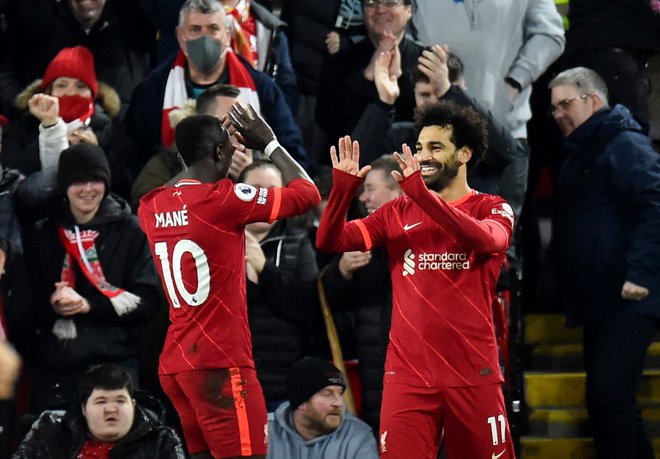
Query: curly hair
x=468, y=128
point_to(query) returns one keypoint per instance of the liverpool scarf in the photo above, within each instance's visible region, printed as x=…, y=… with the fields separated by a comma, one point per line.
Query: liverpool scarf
x=243, y=32
x=176, y=94
x=79, y=247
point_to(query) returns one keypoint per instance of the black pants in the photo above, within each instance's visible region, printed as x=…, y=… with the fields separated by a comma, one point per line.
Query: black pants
x=614, y=351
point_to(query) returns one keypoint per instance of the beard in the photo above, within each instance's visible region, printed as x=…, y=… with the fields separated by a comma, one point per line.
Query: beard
x=443, y=176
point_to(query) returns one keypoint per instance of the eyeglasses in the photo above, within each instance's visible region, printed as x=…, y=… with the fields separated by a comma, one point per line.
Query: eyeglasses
x=564, y=104
x=383, y=3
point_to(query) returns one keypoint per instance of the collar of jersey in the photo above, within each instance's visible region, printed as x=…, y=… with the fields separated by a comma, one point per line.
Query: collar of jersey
x=186, y=182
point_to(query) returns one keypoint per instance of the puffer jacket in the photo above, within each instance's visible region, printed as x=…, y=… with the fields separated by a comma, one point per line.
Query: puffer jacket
x=607, y=227
x=59, y=435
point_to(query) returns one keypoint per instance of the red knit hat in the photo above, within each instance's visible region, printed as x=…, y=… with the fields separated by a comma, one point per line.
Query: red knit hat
x=76, y=62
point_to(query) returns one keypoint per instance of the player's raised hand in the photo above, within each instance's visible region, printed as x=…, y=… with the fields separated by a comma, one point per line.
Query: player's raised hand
x=407, y=162
x=252, y=130
x=348, y=159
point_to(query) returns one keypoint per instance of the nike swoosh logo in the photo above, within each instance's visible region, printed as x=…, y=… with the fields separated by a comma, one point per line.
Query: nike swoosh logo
x=497, y=456
x=409, y=227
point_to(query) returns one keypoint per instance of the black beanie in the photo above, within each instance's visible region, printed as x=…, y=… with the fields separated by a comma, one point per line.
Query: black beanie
x=80, y=162
x=308, y=376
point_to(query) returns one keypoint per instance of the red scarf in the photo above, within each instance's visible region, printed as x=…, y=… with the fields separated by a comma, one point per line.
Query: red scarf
x=243, y=32
x=94, y=449
x=80, y=247
x=176, y=93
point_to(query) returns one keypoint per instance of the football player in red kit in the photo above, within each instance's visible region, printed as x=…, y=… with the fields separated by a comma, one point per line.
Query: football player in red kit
x=196, y=230
x=445, y=244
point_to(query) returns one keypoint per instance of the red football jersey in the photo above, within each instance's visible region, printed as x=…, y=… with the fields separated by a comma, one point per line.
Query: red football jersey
x=196, y=233
x=445, y=259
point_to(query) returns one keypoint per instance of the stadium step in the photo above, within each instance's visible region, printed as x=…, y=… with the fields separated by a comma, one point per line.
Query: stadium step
x=555, y=392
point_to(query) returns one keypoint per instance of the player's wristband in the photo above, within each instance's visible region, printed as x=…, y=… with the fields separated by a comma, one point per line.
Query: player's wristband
x=272, y=145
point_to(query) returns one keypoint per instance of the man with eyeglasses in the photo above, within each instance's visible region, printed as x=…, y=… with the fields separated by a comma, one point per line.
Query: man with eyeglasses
x=605, y=252
x=346, y=85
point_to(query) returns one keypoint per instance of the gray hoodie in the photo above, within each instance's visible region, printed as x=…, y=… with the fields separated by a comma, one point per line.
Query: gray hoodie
x=353, y=439
x=496, y=39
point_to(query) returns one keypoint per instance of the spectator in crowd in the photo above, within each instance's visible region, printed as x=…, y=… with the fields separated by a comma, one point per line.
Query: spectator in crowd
x=281, y=290
x=346, y=85
x=93, y=281
x=360, y=281
x=316, y=29
x=86, y=112
x=257, y=35
x=506, y=46
x=215, y=101
x=21, y=201
x=438, y=77
x=204, y=59
x=606, y=251
x=117, y=33
x=616, y=40
x=104, y=421
x=208, y=348
x=445, y=245
x=313, y=423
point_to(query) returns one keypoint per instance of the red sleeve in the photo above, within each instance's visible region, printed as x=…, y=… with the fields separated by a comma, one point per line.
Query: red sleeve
x=298, y=197
x=488, y=235
x=334, y=233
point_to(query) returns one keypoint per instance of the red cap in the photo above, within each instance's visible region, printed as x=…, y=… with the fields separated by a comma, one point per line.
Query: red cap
x=76, y=62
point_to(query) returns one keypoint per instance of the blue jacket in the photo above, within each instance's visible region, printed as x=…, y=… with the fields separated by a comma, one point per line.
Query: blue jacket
x=607, y=229
x=146, y=109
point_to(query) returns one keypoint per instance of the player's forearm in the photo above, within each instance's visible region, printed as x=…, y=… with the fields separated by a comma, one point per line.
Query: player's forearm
x=297, y=198
x=483, y=236
x=288, y=166
x=334, y=234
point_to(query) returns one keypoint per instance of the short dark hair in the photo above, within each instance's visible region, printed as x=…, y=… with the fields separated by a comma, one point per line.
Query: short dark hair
x=206, y=102
x=106, y=376
x=199, y=136
x=455, y=69
x=387, y=164
x=468, y=127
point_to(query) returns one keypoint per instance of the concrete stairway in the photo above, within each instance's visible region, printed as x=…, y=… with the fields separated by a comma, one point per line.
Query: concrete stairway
x=554, y=386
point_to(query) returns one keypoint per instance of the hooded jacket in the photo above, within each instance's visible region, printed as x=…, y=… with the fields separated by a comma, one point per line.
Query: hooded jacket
x=607, y=227
x=102, y=334
x=353, y=439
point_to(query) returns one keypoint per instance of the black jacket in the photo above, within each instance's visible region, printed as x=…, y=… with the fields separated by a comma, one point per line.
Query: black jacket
x=344, y=93
x=281, y=306
x=369, y=294
x=103, y=335
x=61, y=436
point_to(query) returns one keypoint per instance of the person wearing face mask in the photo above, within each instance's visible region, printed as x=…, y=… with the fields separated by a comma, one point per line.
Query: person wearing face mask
x=117, y=32
x=66, y=107
x=204, y=58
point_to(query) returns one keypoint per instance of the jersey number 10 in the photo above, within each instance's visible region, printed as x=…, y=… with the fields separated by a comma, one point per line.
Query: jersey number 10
x=172, y=275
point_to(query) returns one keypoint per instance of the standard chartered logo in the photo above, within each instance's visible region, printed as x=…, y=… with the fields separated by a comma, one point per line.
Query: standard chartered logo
x=408, y=263
x=433, y=262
